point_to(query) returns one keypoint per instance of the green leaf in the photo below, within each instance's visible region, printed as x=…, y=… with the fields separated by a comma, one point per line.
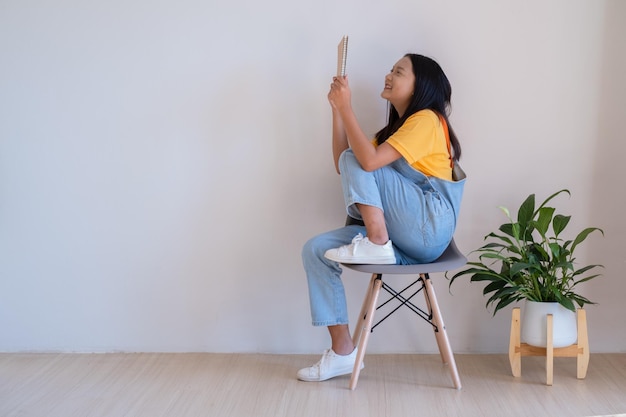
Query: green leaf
x=506, y=228
x=585, y=269
x=586, y=279
x=493, y=255
x=526, y=211
x=494, y=286
x=583, y=235
x=555, y=248
x=559, y=223
x=554, y=195
x=518, y=267
x=544, y=220
x=503, y=303
x=491, y=245
x=580, y=300
x=488, y=277
x=567, y=303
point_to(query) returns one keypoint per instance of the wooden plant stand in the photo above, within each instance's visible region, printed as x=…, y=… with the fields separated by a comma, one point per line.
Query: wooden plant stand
x=579, y=350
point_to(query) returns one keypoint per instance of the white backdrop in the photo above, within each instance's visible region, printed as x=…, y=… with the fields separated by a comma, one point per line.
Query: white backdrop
x=162, y=163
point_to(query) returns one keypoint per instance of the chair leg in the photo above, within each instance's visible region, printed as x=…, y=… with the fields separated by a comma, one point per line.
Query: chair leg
x=365, y=330
x=429, y=306
x=358, y=330
x=440, y=333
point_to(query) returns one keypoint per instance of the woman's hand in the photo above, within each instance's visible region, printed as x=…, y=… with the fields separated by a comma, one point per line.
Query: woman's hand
x=348, y=133
x=339, y=95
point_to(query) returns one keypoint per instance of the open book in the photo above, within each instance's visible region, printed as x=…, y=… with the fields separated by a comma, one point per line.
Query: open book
x=342, y=54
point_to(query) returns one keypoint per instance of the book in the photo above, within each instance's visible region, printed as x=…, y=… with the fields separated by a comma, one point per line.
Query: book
x=342, y=54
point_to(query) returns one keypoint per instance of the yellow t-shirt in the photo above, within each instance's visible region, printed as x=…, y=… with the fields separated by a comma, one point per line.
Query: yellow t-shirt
x=422, y=142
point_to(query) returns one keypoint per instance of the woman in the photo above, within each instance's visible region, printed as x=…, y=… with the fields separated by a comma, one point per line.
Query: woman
x=400, y=185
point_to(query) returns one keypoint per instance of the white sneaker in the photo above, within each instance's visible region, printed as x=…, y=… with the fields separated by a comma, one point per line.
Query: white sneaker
x=362, y=251
x=330, y=366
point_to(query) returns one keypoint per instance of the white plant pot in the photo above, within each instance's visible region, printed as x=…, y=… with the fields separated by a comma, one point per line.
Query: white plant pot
x=534, y=324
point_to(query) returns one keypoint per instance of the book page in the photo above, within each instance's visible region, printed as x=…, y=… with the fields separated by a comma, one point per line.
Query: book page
x=342, y=54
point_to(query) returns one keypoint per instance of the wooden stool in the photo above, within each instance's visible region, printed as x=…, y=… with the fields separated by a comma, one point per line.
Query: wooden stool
x=580, y=349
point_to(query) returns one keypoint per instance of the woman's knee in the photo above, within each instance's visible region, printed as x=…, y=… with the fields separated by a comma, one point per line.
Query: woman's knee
x=347, y=159
x=314, y=247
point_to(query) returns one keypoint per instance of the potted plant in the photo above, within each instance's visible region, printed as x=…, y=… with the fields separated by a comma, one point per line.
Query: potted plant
x=529, y=260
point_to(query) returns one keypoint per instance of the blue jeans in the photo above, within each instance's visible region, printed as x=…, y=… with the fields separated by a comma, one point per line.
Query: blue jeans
x=420, y=214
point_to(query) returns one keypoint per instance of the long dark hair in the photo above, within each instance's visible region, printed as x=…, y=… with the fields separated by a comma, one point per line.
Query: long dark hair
x=432, y=91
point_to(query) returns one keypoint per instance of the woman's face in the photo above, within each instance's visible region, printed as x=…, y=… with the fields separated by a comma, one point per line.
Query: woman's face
x=399, y=85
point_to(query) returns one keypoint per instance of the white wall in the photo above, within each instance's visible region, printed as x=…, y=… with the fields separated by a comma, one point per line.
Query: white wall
x=162, y=163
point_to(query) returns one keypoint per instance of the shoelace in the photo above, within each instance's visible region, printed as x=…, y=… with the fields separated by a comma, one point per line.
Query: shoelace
x=352, y=246
x=319, y=364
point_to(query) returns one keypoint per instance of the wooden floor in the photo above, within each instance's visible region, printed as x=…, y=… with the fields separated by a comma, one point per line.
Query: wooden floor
x=202, y=384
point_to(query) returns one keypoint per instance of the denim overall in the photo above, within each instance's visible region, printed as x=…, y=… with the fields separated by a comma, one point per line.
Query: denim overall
x=420, y=213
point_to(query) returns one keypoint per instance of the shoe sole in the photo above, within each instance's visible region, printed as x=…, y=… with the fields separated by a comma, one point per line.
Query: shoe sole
x=329, y=376
x=373, y=261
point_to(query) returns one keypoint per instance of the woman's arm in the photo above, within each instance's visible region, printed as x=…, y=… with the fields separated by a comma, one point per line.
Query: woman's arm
x=340, y=139
x=369, y=156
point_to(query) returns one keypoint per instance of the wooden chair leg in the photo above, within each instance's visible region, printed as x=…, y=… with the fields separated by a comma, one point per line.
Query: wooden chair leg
x=582, y=359
x=440, y=333
x=515, y=353
x=429, y=306
x=368, y=316
x=358, y=330
x=549, y=349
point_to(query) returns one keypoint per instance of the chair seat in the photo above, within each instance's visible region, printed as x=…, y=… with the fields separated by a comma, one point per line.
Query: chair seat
x=450, y=259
